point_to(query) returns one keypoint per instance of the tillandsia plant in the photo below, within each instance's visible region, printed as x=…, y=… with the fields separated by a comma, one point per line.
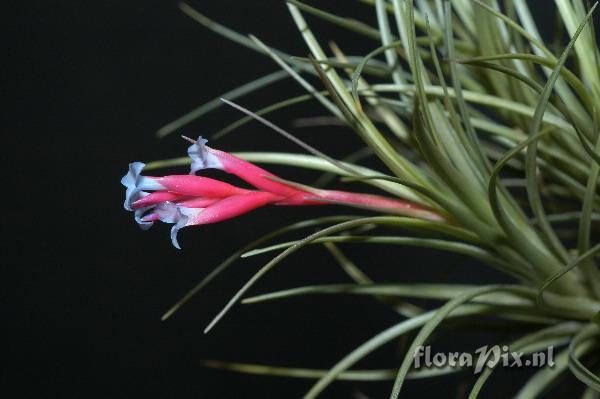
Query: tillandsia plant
x=490, y=139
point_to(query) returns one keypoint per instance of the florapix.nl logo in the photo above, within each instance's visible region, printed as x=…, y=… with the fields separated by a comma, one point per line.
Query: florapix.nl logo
x=485, y=356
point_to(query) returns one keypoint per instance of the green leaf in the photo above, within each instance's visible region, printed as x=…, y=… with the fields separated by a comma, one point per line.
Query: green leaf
x=476, y=98
x=531, y=343
x=404, y=308
x=381, y=339
x=533, y=193
x=270, y=265
x=564, y=72
x=440, y=292
x=452, y=246
x=472, y=143
x=532, y=39
x=435, y=321
x=530, y=248
x=224, y=31
x=360, y=67
x=294, y=372
x=387, y=38
x=573, y=264
x=236, y=255
x=261, y=112
x=585, y=225
x=579, y=346
x=216, y=102
x=307, y=86
x=346, y=23
x=544, y=378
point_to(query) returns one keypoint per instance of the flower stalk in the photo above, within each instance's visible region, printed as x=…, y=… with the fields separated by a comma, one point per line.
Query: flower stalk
x=190, y=200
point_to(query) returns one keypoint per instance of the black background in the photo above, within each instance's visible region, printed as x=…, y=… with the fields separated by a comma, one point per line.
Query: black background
x=88, y=84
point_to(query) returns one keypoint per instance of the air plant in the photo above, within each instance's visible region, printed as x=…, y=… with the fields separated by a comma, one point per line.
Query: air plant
x=467, y=107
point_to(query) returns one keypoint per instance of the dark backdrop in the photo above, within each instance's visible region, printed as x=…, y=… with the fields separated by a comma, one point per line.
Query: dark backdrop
x=88, y=84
